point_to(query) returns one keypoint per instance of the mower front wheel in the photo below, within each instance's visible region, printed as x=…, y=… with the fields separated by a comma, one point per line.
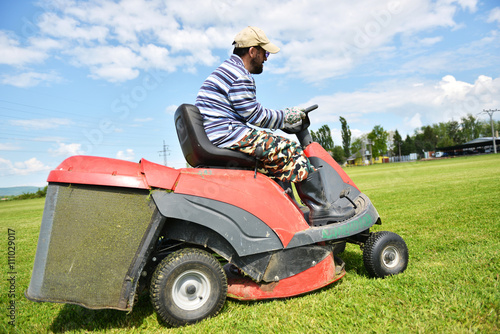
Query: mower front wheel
x=384, y=254
x=188, y=286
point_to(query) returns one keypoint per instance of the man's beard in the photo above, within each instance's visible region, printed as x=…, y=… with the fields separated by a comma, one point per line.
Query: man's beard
x=257, y=66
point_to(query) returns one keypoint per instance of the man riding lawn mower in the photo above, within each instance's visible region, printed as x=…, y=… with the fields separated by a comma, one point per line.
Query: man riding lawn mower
x=227, y=101
x=194, y=236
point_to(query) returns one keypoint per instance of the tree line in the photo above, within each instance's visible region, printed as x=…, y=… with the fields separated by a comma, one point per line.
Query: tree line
x=41, y=192
x=426, y=138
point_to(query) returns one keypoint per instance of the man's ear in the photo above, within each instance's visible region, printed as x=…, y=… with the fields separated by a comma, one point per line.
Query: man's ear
x=253, y=51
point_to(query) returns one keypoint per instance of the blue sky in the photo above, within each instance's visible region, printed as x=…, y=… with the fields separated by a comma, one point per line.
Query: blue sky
x=105, y=77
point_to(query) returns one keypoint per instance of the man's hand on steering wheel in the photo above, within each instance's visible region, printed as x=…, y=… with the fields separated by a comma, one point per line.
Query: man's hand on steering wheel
x=293, y=118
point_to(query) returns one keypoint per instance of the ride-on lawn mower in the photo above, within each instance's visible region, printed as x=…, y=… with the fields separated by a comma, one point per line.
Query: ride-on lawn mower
x=194, y=236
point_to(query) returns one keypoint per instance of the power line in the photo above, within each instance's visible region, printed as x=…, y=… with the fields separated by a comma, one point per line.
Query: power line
x=41, y=108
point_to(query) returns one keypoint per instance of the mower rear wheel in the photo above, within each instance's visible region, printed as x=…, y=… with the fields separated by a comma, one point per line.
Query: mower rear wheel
x=188, y=286
x=384, y=254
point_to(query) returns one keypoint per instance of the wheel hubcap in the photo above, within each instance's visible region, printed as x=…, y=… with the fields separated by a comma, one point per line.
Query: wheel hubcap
x=390, y=256
x=191, y=290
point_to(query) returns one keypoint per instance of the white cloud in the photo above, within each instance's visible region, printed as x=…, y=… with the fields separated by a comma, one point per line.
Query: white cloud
x=494, y=15
x=143, y=120
x=30, y=79
x=113, y=63
x=14, y=54
x=471, y=5
x=348, y=34
x=170, y=110
x=430, y=40
x=460, y=59
x=56, y=139
x=9, y=147
x=42, y=124
x=29, y=166
x=452, y=90
x=128, y=154
x=46, y=44
x=114, y=73
x=70, y=28
x=413, y=122
x=320, y=40
x=356, y=133
x=67, y=150
x=417, y=103
x=157, y=57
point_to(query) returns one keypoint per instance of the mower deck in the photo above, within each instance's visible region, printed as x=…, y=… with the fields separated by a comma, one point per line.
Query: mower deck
x=324, y=273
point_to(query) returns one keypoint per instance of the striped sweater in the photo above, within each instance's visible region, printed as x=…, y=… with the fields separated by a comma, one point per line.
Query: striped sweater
x=227, y=101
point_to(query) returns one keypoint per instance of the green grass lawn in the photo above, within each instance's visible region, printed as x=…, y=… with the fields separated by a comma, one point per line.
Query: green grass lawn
x=446, y=210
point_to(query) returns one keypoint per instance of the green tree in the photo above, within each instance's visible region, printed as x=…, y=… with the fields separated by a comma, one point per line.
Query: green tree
x=397, y=141
x=425, y=139
x=346, y=137
x=444, y=142
x=429, y=137
x=408, y=146
x=453, y=131
x=357, y=146
x=324, y=137
x=378, y=137
x=471, y=128
x=486, y=128
x=338, y=154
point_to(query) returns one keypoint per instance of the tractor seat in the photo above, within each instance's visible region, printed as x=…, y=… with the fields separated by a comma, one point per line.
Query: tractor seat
x=198, y=149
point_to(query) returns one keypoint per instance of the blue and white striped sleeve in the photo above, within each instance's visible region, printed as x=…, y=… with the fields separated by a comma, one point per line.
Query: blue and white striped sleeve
x=242, y=96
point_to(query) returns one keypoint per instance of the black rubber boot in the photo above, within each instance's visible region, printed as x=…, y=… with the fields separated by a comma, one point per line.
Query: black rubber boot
x=321, y=212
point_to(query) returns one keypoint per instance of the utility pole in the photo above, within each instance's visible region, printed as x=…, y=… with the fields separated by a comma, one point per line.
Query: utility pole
x=490, y=112
x=164, y=153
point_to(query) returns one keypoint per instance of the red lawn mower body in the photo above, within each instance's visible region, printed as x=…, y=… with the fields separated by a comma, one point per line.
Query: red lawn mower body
x=142, y=212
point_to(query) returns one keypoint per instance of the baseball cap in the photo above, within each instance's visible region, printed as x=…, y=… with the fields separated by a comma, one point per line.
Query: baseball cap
x=253, y=36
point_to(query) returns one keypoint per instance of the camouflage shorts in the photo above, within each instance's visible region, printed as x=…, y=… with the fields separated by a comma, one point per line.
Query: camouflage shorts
x=283, y=159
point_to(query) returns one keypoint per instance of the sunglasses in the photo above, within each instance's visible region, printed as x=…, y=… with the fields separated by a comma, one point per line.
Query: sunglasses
x=267, y=52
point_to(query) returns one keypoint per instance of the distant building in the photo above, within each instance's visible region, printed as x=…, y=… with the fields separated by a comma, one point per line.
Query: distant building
x=478, y=145
x=359, y=160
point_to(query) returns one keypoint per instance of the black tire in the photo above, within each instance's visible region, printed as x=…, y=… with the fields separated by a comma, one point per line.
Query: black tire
x=385, y=254
x=188, y=286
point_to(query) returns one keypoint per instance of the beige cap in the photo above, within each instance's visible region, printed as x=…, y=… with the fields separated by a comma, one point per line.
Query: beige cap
x=253, y=36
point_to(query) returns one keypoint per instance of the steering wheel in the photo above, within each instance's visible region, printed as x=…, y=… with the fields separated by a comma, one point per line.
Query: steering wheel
x=311, y=108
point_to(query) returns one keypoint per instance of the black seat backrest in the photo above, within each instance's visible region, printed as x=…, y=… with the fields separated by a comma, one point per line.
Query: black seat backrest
x=197, y=148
